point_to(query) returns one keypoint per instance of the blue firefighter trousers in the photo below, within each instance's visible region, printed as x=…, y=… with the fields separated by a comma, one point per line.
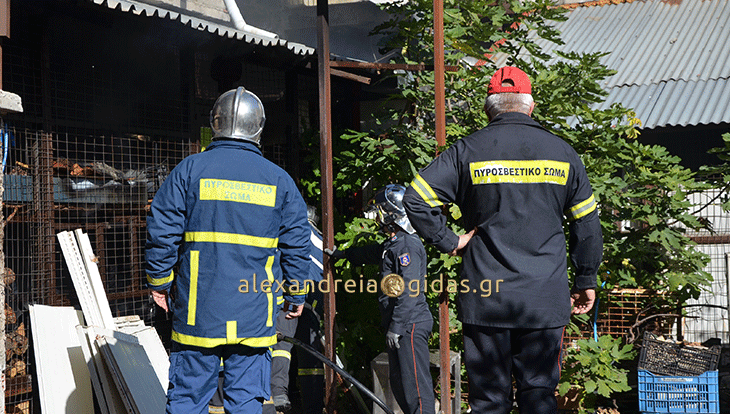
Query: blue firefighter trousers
x=194, y=378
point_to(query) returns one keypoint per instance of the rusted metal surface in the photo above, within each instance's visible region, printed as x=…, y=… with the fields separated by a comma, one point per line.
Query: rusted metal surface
x=4, y=22
x=45, y=236
x=325, y=134
x=390, y=66
x=350, y=76
x=440, y=109
x=714, y=239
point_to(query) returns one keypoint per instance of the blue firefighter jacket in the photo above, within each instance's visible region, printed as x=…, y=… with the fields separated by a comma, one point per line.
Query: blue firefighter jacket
x=233, y=227
x=516, y=183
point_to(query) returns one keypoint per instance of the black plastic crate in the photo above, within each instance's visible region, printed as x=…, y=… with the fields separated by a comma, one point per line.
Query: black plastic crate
x=671, y=358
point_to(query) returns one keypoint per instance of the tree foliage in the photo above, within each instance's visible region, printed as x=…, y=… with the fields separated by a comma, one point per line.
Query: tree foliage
x=641, y=189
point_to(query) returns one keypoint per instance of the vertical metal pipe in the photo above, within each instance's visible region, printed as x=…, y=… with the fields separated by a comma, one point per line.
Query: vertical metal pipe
x=445, y=353
x=3, y=277
x=440, y=98
x=325, y=146
x=438, y=65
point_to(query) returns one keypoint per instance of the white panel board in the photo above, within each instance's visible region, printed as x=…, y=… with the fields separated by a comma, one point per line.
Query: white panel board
x=64, y=384
x=92, y=271
x=88, y=286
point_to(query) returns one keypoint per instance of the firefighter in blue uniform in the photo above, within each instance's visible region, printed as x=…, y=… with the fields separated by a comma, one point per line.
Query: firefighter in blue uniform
x=515, y=183
x=405, y=314
x=234, y=227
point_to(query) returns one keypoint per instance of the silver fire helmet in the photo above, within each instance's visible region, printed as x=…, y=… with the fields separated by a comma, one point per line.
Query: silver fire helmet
x=238, y=114
x=387, y=209
x=312, y=215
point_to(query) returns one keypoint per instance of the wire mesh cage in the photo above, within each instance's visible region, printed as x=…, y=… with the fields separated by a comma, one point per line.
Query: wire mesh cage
x=57, y=182
x=623, y=314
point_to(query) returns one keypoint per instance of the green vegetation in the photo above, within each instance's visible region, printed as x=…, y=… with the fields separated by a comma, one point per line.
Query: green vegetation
x=642, y=190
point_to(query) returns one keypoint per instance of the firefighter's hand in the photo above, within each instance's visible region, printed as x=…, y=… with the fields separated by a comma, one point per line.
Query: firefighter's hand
x=160, y=298
x=336, y=253
x=293, y=311
x=391, y=340
x=582, y=300
x=463, y=241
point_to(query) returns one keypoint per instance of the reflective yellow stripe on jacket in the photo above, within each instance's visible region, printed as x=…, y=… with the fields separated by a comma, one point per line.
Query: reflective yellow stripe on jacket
x=231, y=326
x=425, y=191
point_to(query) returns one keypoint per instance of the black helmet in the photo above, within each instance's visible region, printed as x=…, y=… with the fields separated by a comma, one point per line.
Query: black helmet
x=386, y=208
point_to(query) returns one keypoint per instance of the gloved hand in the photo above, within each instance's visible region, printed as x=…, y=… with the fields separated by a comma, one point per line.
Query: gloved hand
x=392, y=339
x=336, y=253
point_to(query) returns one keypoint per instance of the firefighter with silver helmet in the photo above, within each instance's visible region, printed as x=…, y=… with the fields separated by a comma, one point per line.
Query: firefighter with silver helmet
x=405, y=316
x=234, y=228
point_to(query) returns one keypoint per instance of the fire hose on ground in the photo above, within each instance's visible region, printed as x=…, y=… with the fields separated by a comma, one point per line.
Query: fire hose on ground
x=337, y=369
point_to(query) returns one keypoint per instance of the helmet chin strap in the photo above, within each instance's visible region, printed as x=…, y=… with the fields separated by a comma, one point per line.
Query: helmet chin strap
x=390, y=228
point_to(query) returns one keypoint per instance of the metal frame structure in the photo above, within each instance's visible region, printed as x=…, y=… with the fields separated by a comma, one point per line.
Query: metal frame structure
x=325, y=71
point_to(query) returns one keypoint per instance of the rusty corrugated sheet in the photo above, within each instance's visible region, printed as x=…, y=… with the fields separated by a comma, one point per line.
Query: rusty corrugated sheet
x=144, y=9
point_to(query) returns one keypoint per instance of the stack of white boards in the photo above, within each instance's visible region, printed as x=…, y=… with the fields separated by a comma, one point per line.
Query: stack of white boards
x=87, y=354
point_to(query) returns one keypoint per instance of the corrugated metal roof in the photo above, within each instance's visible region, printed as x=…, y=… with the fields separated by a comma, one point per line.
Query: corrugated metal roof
x=672, y=57
x=653, y=41
x=675, y=103
x=144, y=9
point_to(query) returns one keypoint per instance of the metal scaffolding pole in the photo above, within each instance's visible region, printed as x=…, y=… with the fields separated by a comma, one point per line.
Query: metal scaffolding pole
x=325, y=145
x=440, y=115
x=325, y=120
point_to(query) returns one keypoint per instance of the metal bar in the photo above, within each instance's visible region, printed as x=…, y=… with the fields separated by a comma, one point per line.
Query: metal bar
x=389, y=66
x=45, y=237
x=351, y=76
x=445, y=353
x=134, y=250
x=325, y=136
x=439, y=82
x=3, y=272
x=715, y=239
x=440, y=113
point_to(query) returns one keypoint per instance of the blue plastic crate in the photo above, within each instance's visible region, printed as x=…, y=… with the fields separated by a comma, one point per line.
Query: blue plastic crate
x=675, y=394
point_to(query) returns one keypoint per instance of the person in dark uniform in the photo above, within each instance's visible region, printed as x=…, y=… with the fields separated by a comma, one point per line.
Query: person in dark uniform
x=234, y=227
x=310, y=370
x=405, y=315
x=515, y=184
x=280, y=362
x=281, y=352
